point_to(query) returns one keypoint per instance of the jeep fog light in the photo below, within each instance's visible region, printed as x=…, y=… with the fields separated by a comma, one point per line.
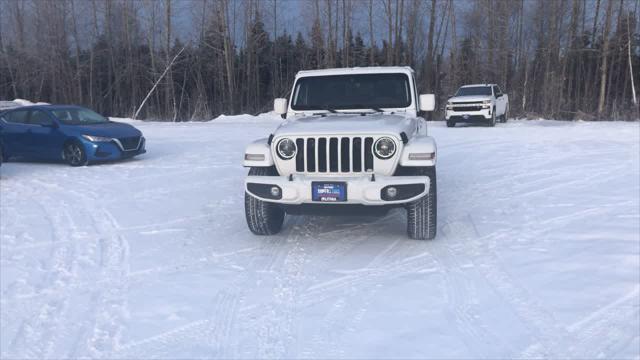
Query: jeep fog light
x=275, y=191
x=422, y=156
x=254, y=157
x=392, y=192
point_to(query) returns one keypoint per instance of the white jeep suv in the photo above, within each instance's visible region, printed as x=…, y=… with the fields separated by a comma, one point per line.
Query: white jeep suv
x=353, y=142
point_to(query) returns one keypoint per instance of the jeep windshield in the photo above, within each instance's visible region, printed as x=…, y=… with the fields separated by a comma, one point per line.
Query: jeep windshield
x=474, y=90
x=344, y=92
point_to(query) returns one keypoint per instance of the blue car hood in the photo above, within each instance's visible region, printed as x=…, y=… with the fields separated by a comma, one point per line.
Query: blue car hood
x=110, y=129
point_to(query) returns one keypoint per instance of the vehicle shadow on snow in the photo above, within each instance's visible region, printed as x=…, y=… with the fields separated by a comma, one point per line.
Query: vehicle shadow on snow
x=389, y=226
x=29, y=161
x=472, y=125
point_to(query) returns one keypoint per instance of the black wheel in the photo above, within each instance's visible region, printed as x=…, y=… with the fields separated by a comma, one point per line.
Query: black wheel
x=422, y=214
x=505, y=116
x=451, y=123
x=492, y=122
x=74, y=154
x=263, y=218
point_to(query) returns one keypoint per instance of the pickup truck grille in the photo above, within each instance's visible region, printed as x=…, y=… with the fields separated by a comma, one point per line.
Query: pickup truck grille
x=467, y=108
x=334, y=154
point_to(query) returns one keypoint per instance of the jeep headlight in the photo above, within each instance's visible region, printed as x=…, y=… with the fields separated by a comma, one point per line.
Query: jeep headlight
x=384, y=147
x=93, y=138
x=286, y=149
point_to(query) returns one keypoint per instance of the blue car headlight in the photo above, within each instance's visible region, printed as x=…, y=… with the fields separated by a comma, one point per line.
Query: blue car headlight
x=93, y=138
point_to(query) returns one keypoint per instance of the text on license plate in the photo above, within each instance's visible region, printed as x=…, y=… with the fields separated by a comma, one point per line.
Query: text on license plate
x=328, y=192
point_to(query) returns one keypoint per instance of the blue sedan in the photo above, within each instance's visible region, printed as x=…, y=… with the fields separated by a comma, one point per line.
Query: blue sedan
x=69, y=133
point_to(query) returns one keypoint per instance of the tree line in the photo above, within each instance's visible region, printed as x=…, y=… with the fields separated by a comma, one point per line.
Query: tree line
x=562, y=59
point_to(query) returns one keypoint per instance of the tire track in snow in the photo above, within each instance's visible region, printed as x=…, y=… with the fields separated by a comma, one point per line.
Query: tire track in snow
x=277, y=330
x=347, y=312
x=38, y=334
x=107, y=309
x=228, y=319
x=597, y=334
x=551, y=340
x=541, y=324
x=463, y=303
x=111, y=310
x=356, y=290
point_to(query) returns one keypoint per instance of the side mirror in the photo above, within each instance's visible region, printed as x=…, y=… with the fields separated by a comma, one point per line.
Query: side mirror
x=427, y=102
x=280, y=106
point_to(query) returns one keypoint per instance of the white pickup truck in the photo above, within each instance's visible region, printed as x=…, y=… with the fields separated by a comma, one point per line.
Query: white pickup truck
x=353, y=142
x=478, y=103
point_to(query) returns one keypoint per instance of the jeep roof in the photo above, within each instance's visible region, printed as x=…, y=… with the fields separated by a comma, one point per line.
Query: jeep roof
x=357, y=70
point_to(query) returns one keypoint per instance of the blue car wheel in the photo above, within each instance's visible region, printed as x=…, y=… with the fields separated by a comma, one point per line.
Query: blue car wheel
x=74, y=154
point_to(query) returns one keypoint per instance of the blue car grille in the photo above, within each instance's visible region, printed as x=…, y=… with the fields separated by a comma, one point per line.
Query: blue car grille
x=130, y=143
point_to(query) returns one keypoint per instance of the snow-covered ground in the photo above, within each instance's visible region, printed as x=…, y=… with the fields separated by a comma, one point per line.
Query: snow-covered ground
x=537, y=254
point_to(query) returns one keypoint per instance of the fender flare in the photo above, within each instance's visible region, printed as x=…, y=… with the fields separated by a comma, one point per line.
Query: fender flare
x=423, y=149
x=258, y=147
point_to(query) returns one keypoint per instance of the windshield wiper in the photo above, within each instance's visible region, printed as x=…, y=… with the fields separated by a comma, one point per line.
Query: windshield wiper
x=327, y=109
x=347, y=111
x=375, y=109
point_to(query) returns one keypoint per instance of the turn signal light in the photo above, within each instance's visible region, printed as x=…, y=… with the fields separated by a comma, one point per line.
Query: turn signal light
x=422, y=156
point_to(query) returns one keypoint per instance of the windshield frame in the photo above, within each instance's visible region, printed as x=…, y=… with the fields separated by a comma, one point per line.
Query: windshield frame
x=411, y=105
x=475, y=87
x=78, y=123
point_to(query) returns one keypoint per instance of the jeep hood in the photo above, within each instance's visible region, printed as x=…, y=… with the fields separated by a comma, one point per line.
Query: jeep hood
x=336, y=124
x=470, y=98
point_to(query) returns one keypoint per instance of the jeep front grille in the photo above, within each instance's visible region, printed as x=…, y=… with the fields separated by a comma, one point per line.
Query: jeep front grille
x=334, y=154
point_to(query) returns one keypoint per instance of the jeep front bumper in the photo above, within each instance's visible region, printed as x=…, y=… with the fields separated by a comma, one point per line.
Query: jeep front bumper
x=364, y=190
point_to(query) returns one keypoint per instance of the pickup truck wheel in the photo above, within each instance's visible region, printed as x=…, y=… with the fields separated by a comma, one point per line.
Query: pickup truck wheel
x=451, y=123
x=263, y=218
x=505, y=115
x=492, y=122
x=422, y=213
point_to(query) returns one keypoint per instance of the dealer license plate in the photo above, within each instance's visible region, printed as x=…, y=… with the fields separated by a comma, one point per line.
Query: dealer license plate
x=329, y=191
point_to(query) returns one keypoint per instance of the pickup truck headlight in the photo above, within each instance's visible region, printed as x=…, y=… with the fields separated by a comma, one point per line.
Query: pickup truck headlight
x=486, y=104
x=384, y=147
x=93, y=138
x=286, y=149
x=449, y=106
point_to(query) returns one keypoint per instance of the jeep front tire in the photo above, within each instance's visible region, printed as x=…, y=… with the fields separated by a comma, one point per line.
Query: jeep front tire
x=263, y=218
x=422, y=213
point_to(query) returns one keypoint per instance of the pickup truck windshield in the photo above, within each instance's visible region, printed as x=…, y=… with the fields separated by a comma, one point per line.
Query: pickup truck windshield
x=361, y=91
x=474, y=90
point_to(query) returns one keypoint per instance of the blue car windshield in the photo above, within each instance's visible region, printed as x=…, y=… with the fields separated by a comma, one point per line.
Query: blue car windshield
x=75, y=116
